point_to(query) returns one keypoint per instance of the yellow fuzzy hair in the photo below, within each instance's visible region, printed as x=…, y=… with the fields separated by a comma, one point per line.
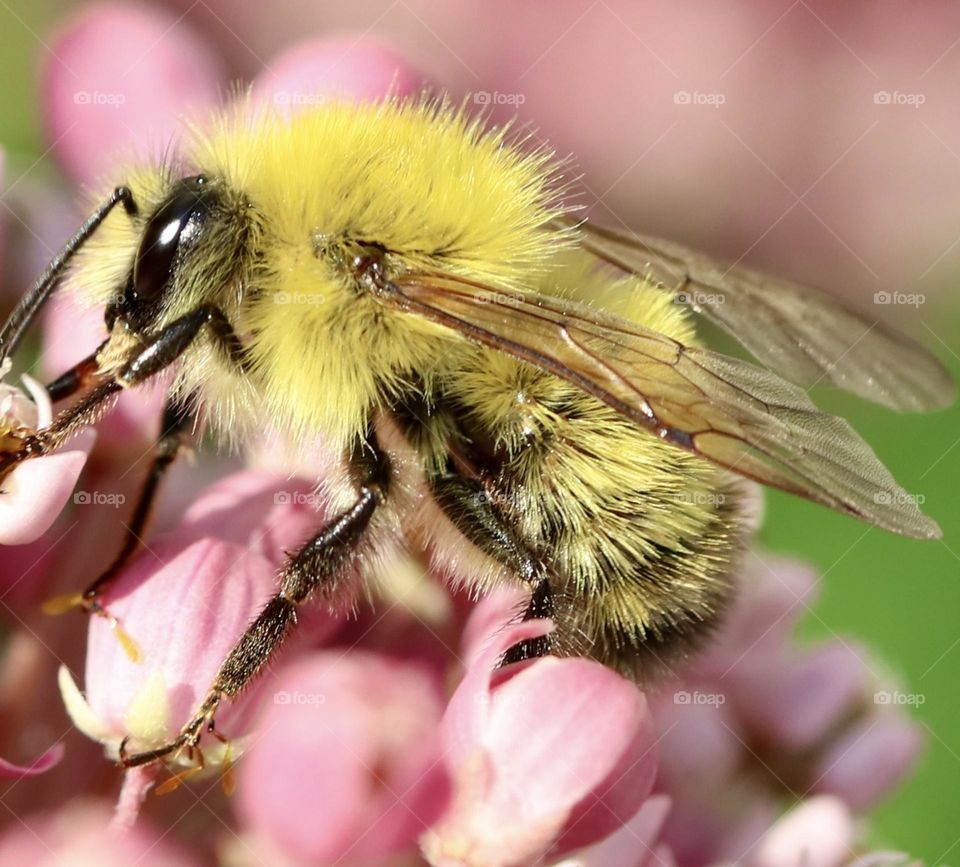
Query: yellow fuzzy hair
x=423, y=180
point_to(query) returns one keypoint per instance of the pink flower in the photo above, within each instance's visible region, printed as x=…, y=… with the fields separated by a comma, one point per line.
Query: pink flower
x=184, y=602
x=803, y=720
x=79, y=836
x=35, y=492
x=818, y=833
x=546, y=756
x=118, y=79
x=870, y=759
x=40, y=765
x=100, y=103
x=323, y=69
x=347, y=766
x=633, y=845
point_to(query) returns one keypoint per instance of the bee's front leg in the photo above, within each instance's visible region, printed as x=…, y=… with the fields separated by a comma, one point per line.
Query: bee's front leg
x=315, y=567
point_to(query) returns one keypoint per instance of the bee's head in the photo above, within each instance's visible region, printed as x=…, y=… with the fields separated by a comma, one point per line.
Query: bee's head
x=172, y=233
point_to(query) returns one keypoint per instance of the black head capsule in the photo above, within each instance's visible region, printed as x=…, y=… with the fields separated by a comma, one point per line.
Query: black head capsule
x=169, y=232
x=176, y=223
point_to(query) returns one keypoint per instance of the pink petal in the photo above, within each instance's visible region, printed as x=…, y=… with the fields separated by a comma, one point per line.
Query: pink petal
x=184, y=606
x=79, y=835
x=794, y=702
x=491, y=620
x=633, y=845
x=118, y=78
x=773, y=593
x=261, y=510
x=35, y=493
x=593, y=758
x=870, y=760
x=700, y=750
x=347, y=765
x=818, y=833
x=466, y=718
x=339, y=68
x=40, y=765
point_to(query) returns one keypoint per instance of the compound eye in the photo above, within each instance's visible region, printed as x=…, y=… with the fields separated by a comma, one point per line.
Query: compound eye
x=177, y=220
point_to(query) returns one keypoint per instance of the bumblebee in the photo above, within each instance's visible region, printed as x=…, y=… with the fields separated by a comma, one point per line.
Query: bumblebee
x=517, y=395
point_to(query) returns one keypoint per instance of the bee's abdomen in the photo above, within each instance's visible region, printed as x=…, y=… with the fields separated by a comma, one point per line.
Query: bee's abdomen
x=639, y=537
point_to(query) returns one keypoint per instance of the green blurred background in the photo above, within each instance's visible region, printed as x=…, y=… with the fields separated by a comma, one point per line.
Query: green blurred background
x=901, y=597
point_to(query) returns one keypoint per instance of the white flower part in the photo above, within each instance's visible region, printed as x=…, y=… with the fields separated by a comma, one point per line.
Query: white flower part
x=147, y=719
x=18, y=410
x=79, y=711
x=41, y=400
x=146, y=722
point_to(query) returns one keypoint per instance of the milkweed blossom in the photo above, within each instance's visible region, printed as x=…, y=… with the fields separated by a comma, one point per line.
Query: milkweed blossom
x=388, y=734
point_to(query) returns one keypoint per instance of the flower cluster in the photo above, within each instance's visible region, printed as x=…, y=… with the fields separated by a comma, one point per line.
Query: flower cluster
x=392, y=737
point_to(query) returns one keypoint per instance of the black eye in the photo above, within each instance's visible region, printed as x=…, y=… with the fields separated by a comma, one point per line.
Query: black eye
x=177, y=220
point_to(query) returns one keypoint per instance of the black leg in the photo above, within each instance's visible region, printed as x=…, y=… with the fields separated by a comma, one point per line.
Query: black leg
x=316, y=567
x=31, y=303
x=158, y=352
x=540, y=605
x=78, y=377
x=173, y=435
x=475, y=514
x=176, y=422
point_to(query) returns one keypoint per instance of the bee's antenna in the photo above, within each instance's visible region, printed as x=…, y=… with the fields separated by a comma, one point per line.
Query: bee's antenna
x=33, y=301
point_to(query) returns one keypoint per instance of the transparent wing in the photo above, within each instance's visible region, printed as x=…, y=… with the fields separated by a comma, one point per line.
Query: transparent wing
x=737, y=415
x=803, y=334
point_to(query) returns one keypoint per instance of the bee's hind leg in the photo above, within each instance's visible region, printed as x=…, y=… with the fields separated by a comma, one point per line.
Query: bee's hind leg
x=475, y=514
x=540, y=606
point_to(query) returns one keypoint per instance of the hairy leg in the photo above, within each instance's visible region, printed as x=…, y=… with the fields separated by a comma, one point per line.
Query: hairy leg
x=315, y=567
